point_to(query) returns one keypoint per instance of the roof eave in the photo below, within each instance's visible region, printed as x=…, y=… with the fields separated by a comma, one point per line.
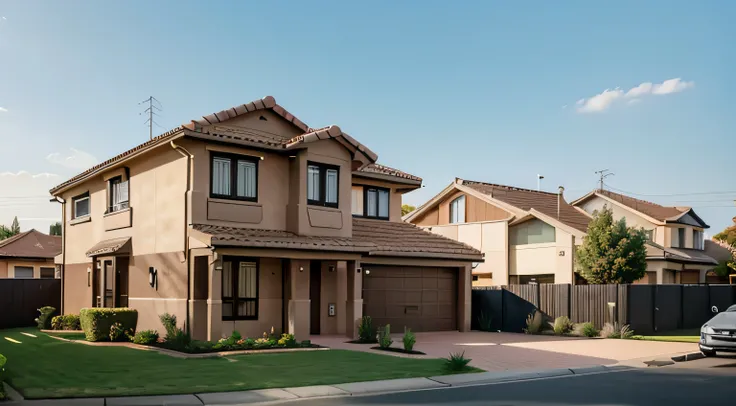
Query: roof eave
x=390, y=178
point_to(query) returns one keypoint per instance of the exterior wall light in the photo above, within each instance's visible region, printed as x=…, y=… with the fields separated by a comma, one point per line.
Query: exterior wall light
x=153, y=277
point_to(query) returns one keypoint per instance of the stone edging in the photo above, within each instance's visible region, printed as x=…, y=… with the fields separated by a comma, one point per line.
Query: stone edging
x=184, y=355
x=63, y=331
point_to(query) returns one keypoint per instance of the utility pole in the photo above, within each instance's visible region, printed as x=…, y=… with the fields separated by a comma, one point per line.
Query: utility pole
x=602, y=174
x=149, y=110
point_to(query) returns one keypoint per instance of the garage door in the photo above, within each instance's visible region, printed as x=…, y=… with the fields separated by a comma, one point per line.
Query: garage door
x=423, y=299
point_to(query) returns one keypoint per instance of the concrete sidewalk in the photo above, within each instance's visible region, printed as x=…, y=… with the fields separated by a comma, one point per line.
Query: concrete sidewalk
x=321, y=391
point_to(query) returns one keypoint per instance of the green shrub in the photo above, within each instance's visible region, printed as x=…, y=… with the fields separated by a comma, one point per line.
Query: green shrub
x=116, y=332
x=588, y=330
x=366, y=333
x=236, y=335
x=484, y=321
x=563, y=325
x=176, y=339
x=384, y=341
x=96, y=322
x=287, y=340
x=617, y=331
x=146, y=337
x=456, y=362
x=3, y=360
x=70, y=322
x=56, y=323
x=169, y=322
x=534, y=322
x=44, y=318
x=306, y=343
x=409, y=340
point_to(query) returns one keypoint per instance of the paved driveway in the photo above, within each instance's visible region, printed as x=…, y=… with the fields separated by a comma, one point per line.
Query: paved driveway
x=503, y=351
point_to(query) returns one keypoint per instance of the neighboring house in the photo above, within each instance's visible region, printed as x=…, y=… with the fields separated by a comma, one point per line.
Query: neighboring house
x=525, y=235
x=29, y=255
x=248, y=220
x=675, y=251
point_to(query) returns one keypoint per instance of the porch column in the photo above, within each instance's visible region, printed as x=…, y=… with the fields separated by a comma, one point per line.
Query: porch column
x=214, y=301
x=354, y=303
x=298, y=312
x=342, y=296
x=464, y=287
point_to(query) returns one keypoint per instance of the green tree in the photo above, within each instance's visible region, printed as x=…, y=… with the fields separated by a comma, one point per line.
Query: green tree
x=5, y=232
x=55, y=229
x=612, y=252
x=728, y=235
x=15, y=226
x=406, y=209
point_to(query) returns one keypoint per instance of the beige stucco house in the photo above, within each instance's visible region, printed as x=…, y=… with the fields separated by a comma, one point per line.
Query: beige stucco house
x=248, y=219
x=676, y=247
x=29, y=255
x=525, y=235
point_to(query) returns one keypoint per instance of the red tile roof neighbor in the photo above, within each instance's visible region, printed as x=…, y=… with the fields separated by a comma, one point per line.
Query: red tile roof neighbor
x=527, y=199
x=371, y=237
x=31, y=244
x=385, y=170
x=653, y=210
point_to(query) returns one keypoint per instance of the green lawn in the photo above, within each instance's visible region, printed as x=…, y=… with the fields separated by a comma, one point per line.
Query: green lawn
x=680, y=336
x=69, y=336
x=44, y=367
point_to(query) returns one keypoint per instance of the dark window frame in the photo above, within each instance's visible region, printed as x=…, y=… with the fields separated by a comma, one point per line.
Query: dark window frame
x=46, y=268
x=365, y=202
x=323, y=185
x=74, y=205
x=234, y=158
x=681, y=233
x=110, y=204
x=234, y=300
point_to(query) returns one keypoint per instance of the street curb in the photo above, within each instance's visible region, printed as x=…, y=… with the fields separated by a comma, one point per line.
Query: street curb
x=689, y=357
x=11, y=393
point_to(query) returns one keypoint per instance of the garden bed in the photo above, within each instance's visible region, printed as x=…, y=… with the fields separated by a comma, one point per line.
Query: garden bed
x=399, y=350
x=361, y=342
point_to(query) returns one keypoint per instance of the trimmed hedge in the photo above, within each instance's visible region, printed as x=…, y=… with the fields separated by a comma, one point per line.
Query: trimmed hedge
x=3, y=360
x=96, y=322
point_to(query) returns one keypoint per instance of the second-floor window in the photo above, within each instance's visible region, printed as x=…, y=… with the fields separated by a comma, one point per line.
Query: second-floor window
x=698, y=243
x=234, y=177
x=371, y=202
x=649, y=234
x=118, y=199
x=322, y=184
x=681, y=237
x=80, y=206
x=457, y=210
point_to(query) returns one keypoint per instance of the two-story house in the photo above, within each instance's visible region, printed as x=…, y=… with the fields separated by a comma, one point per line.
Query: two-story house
x=675, y=250
x=248, y=220
x=525, y=235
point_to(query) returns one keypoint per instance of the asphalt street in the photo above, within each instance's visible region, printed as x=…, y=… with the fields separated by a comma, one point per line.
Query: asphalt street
x=702, y=382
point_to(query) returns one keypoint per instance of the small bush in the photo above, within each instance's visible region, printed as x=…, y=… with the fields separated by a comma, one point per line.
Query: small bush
x=176, y=339
x=236, y=335
x=384, y=341
x=484, y=321
x=287, y=340
x=625, y=332
x=409, y=340
x=44, y=318
x=306, y=343
x=456, y=362
x=56, y=323
x=70, y=322
x=3, y=360
x=169, y=323
x=97, y=322
x=534, y=323
x=617, y=331
x=366, y=333
x=588, y=330
x=146, y=337
x=563, y=325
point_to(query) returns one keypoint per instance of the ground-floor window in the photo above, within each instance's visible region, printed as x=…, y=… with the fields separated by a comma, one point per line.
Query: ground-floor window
x=527, y=279
x=48, y=273
x=23, y=272
x=239, y=289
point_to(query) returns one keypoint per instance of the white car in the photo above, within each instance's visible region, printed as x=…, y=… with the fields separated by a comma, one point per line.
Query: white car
x=719, y=333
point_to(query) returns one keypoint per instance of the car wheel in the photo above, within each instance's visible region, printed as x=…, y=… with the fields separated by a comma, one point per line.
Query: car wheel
x=709, y=353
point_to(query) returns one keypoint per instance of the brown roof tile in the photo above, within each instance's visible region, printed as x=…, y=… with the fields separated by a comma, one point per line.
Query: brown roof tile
x=653, y=210
x=386, y=170
x=31, y=244
x=527, y=199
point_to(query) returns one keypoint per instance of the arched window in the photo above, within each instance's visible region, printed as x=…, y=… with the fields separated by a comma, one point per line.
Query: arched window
x=457, y=210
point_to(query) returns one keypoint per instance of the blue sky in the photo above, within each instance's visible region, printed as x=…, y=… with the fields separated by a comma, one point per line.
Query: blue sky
x=478, y=90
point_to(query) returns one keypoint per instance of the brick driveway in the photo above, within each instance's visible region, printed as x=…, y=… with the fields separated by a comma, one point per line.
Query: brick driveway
x=503, y=351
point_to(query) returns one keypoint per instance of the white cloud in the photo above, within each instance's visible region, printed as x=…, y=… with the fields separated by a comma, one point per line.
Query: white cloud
x=3, y=110
x=603, y=101
x=26, y=196
x=600, y=101
x=76, y=159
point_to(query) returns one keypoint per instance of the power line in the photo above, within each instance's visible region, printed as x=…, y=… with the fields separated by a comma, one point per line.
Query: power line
x=152, y=101
x=724, y=192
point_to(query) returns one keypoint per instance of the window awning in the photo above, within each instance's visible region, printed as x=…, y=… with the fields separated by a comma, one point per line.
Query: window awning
x=116, y=246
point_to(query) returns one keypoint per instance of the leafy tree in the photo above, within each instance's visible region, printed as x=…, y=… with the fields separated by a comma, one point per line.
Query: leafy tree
x=5, y=232
x=612, y=252
x=55, y=229
x=728, y=235
x=15, y=227
x=406, y=209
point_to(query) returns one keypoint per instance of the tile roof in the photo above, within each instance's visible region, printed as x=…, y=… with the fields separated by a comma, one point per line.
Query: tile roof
x=392, y=238
x=527, y=199
x=653, y=210
x=211, y=125
x=656, y=251
x=370, y=237
x=31, y=244
x=386, y=170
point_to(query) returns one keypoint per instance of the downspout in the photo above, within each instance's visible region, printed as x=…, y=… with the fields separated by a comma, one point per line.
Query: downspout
x=63, y=246
x=187, y=260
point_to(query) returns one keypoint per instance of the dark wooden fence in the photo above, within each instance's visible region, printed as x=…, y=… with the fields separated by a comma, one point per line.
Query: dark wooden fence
x=20, y=300
x=647, y=308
